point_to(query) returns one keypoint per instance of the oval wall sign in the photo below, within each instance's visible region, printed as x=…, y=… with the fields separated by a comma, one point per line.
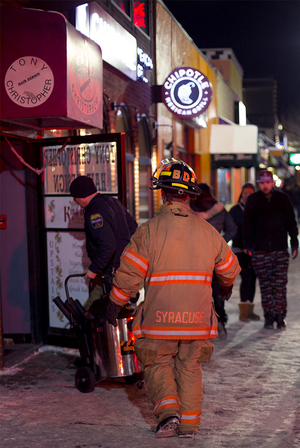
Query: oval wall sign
x=186, y=92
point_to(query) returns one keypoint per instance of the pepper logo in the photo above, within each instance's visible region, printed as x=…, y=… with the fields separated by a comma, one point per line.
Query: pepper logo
x=187, y=92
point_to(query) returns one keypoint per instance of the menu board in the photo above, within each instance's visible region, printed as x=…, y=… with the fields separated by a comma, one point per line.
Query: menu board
x=66, y=256
x=62, y=212
x=100, y=157
x=95, y=160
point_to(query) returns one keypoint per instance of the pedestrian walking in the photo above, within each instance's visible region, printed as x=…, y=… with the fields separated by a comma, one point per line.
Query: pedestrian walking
x=221, y=220
x=248, y=277
x=174, y=255
x=268, y=220
x=295, y=197
x=108, y=228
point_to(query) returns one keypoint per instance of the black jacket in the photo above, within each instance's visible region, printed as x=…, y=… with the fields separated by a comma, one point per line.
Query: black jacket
x=266, y=223
x=237, y=213
x=224, y=224
x=108, y=228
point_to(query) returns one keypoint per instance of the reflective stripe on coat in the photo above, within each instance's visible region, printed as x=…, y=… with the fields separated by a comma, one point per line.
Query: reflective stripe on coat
x=173, y=256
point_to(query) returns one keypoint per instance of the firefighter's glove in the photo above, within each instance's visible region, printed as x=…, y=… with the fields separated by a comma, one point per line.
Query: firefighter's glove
x=98, y=307
x=225, y=292
x=112, y=312
x=294, y=252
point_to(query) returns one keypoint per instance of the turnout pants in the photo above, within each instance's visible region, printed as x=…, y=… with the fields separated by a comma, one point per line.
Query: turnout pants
x=173, y=375
x=271, y=269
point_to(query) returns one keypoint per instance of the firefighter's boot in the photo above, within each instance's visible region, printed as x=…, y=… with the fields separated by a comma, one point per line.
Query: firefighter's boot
x=243, y=306
x=251, y=315
x=167, y=428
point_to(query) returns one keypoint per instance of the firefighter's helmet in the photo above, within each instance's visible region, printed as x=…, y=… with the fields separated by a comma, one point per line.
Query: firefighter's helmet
x=176, y=177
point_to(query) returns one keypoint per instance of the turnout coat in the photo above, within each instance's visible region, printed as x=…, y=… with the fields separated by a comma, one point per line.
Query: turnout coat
x=173, y=255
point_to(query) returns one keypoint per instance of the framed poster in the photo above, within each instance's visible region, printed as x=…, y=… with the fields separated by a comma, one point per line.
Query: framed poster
x=101, y=157
x=66, y=255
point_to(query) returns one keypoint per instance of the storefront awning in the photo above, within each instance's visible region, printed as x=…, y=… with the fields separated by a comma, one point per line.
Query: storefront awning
x=234, y=160
x=233, y=146
x=50, y=74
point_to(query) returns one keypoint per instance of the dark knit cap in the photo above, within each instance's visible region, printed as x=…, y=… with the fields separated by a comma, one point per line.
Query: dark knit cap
x=82, y=186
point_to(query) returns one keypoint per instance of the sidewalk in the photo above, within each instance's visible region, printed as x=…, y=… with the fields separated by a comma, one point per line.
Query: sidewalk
x=251, y=394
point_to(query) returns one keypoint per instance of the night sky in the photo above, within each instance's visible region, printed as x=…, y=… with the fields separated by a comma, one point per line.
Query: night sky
x=264, y=36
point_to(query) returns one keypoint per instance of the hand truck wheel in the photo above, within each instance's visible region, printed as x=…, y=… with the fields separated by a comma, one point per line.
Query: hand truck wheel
x=85, y=380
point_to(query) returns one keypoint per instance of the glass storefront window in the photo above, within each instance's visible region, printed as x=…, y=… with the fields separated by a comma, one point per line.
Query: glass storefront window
x=123, y=124
x=145, y=196
x=145, y=137
x=124, y=5
x=130, y=184
x=140, y=12
x=224, y=185
x=141, y=15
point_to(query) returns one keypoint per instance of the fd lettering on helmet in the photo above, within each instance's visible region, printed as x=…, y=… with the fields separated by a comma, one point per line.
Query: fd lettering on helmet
x=176, y=174
x=186, y=177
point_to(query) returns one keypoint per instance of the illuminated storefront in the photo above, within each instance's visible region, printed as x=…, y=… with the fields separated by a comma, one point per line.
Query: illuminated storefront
x=182, y=132
x=91, y=87
x=128, y=100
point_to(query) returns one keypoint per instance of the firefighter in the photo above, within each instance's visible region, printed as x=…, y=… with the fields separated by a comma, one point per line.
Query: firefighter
x=174, y=255
x=108, y=227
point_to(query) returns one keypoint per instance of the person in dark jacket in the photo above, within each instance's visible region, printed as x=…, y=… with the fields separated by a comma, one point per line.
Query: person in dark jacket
x=207, y=207
x=248, y=277
x=268, y=219
x=108, y=228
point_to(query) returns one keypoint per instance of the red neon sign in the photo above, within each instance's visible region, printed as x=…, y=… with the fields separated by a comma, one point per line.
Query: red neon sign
x=139, y=14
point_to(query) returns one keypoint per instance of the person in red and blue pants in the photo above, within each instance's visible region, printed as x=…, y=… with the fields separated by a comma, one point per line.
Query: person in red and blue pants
x=268, y=220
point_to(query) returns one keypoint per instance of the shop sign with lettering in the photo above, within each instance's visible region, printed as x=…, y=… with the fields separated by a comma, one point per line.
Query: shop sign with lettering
x=234, y=160
x=66, y=255
x=51, y=78
x=186, y=92
x=29, y=71
x=119, y=48
x=144, y=63
x=95, y=160
x=62, y=212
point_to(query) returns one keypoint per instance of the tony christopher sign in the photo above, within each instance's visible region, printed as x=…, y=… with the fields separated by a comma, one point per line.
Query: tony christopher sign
x=95, y=156
x=186, y=92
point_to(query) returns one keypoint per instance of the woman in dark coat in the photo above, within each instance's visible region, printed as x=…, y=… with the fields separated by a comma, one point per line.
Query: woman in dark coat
x=247, y=286
x=208, y=208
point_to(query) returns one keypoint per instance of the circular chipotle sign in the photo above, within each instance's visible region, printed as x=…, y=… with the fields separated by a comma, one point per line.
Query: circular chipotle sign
x=186, y=92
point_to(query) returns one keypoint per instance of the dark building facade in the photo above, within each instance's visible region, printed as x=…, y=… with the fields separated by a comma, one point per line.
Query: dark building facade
x=89, y=108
